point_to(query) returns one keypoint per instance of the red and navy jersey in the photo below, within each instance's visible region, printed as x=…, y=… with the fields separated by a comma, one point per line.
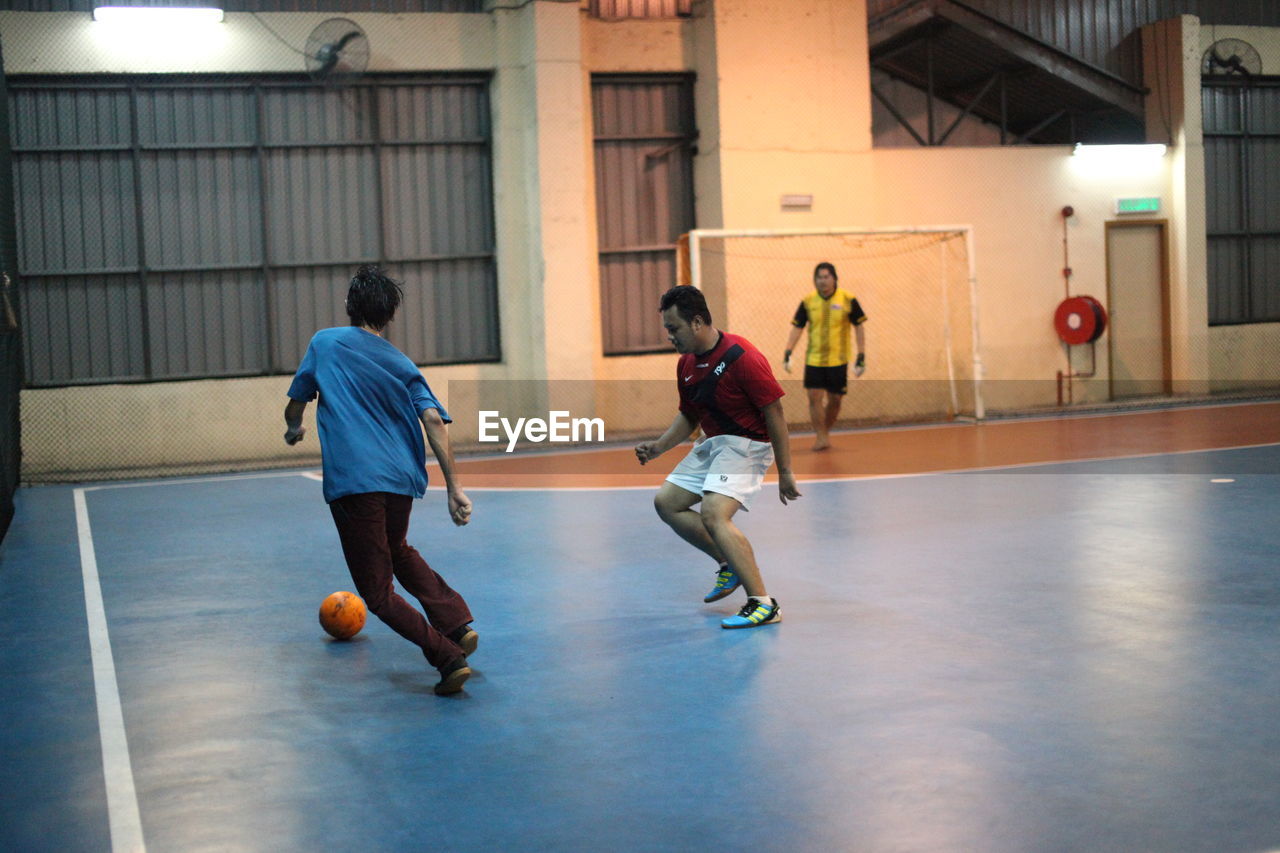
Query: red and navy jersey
x=723, y=391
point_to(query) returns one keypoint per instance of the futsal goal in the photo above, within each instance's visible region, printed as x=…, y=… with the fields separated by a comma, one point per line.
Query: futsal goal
x=916, y=285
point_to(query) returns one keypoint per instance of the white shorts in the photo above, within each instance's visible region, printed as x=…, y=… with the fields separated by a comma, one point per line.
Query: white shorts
x=726, y=464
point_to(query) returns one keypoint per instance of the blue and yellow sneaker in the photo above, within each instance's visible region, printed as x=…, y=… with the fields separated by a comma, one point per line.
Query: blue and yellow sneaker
x=726, y=582
x=754, y=613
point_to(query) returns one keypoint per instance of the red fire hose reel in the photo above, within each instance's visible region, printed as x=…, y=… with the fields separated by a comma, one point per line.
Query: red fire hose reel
x=1080, y=320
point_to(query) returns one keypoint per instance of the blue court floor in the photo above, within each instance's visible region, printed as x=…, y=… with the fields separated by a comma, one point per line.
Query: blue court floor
x=1076, y=657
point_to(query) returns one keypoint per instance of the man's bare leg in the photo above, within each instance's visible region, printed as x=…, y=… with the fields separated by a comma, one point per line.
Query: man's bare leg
x=818, y=415
x=673, y=505
x=833, y=410
x=717, y=518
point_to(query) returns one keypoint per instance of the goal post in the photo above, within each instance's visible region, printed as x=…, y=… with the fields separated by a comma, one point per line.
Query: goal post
x=917, y=286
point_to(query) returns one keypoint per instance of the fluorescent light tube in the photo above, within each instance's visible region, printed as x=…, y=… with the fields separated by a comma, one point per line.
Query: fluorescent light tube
x=149, y=15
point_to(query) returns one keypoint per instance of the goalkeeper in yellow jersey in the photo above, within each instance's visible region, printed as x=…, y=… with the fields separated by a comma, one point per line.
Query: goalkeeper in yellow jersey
x=830, y=312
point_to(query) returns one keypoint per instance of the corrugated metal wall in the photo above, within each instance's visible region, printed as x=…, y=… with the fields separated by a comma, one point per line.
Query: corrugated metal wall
x=1242, y=189
x=349, y=6
x=1101, y=32
x=641, y=8
x=194, y=229
x=644, y=131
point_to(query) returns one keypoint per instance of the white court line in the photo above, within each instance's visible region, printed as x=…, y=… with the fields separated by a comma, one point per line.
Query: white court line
x=854, y=478
x=991, y=422
x=122, y=801
x=122, y=797
x=318, y=477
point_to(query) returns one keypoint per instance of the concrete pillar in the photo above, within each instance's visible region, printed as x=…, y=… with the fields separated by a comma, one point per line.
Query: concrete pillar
x=782, y=115
x=542, y=159
x=1171, y=69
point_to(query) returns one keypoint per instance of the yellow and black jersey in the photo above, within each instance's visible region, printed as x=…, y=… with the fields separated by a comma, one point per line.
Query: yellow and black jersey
x=830, y=323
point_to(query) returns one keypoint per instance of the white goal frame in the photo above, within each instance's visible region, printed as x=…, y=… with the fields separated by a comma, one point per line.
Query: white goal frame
x=695, y=275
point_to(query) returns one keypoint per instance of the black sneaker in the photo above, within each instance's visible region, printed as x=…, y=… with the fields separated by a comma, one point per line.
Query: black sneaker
x=466, y=638
x=452, y=676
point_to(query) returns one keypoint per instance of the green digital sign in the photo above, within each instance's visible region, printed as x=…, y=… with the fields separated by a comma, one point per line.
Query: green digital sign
x=1150, y=204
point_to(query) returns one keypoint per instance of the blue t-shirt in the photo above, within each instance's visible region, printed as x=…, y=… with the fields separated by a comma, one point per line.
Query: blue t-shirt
x=370, y=397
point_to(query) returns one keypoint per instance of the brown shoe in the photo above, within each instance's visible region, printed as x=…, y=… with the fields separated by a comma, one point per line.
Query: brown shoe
x=466, y=638
x=452, y=676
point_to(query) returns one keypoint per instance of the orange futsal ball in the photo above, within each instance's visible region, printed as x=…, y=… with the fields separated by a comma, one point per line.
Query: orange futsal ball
x=342, y=615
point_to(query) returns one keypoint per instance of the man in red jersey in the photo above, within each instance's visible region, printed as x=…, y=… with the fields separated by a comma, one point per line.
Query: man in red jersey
x=727, y=389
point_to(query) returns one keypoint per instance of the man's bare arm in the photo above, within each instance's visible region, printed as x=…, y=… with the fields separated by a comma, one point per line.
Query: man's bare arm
x=293, y=421
x=438, y=438
x=680, y=429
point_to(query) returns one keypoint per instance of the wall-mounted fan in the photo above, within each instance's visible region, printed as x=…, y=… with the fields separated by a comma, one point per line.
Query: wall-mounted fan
x=337, y=51
x=1231, y=57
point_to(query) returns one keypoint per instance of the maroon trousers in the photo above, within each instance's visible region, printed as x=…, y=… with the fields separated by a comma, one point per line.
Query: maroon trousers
x=372, y=528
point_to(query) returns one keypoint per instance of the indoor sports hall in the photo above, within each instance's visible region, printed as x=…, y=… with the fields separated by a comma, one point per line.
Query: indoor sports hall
x=1048, y=634
x=1015, y=265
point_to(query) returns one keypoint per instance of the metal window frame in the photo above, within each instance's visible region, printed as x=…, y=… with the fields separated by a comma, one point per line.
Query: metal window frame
x=682, y=9
x=675, y=141
x=257, y=85
x=1244, y=87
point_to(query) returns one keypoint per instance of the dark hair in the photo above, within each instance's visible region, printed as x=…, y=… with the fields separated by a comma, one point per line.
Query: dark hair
x=689, y=303
x=829, y=267
x=373, y=297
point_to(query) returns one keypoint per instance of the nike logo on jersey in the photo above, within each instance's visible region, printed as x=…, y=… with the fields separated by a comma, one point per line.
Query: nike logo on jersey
x=687, y=378
x=704, y=365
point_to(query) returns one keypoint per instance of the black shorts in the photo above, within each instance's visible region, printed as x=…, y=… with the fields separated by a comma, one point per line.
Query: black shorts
x=834, y=380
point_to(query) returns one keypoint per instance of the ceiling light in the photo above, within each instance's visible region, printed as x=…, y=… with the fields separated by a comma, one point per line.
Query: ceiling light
x=149, y=15
x=1153, y=151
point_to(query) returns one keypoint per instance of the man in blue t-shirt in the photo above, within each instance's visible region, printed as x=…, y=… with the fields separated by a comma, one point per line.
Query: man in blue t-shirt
x=374, y=405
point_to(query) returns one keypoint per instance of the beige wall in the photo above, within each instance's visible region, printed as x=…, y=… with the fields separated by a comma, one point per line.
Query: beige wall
x=624, y=46
x=793, y=105
x=165, y=425
x=1013, y=200
x=1244, y=357
x=783, y=107
x=759, y=141
x=565, y=210
x=73, y=43
x=758, y=137
x=545, y=237
x=1171, y=55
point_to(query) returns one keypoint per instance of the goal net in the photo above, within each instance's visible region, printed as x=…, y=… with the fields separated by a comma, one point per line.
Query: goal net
x=915, y=285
